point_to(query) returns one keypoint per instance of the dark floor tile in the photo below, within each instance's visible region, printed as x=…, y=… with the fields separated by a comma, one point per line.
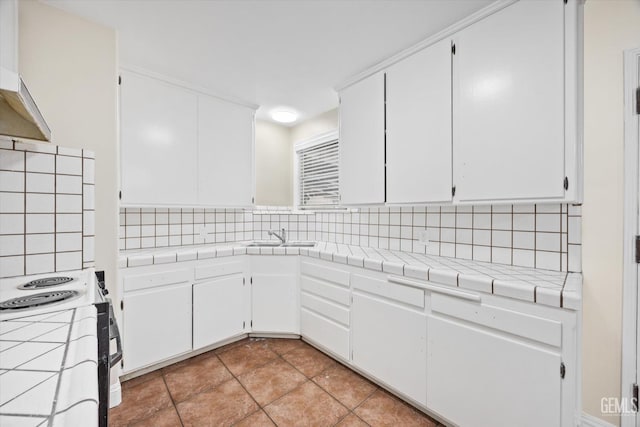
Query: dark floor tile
x=352, y=420
x=231, y=345
x=221, y=406
x=247, y=357
x=306, y=406
x=345, y=385
x=271, y=381
x=285, y=345
x=257, y=419
x=308, y=360
x=141, y=379
x=197, y=375
x=140, y=402
x=383, y=409
x=167, y=417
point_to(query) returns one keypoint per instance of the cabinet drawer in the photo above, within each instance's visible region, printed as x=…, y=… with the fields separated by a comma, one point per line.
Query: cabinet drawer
x=218, y=269
x=152, y=280
x=325, y=333
x=400, y=293
x=532, y=327
x=325, y=308
x=325, y=290
x=328, y=274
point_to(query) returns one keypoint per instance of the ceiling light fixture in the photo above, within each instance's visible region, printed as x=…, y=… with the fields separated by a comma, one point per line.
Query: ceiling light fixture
x=284, y=116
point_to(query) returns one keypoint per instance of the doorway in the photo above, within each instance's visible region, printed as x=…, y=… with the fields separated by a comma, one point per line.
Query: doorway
x=631, y=296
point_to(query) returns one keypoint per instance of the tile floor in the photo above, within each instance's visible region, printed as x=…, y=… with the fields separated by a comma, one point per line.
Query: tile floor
x=260, y=382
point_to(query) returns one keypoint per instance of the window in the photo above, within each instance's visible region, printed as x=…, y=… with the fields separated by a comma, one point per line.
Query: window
x=317, y=172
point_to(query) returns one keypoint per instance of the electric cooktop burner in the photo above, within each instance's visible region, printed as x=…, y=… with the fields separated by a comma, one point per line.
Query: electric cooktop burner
x=35, y=300
x=46, y=282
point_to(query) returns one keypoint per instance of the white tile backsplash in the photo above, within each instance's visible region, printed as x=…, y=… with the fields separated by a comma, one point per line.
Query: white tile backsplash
x=46, y=213
x=541, y=236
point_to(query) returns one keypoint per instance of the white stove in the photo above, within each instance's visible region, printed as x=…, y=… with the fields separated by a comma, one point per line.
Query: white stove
x=43, y=293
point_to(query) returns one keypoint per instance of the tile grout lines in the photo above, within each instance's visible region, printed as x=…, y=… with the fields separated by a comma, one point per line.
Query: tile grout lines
x=278, y=356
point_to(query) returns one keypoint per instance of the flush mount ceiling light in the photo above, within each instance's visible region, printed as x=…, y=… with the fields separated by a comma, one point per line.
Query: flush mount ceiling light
x=284, y=116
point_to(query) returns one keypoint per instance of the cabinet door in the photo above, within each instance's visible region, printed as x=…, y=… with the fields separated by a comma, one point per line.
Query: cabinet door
x=158, y=142
x=362, y=179
x=225, y=156
x=389, y=342
x=218, y=310
x=509, y=105
x=156, y=325
x=476, y=377
x=274, y=305
x=419, y=141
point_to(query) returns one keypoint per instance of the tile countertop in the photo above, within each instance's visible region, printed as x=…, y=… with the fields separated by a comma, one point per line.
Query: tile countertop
x=48, y=369
x=552, y=288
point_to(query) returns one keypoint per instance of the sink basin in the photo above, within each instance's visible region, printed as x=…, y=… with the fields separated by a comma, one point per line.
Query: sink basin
x=299, y=244
x=272, y=244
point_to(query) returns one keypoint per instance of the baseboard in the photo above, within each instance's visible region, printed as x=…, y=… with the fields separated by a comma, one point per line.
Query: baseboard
x=591, y=421
x=115, y=394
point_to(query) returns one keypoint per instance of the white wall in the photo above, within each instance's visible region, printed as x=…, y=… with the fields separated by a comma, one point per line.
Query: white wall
x=321, y=123
x=70, y=66
x=610, y=27
x=274, y=165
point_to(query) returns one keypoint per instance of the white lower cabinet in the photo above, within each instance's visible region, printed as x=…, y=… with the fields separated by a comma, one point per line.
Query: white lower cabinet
x=324, y=307
x=491, y=366
x=389, y=334
x=218, y=310
x=274, y=294
x=471, y=358
x=220, y=301
x=156, y=319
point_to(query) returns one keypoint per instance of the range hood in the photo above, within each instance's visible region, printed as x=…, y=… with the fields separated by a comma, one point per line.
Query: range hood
x=19, y=114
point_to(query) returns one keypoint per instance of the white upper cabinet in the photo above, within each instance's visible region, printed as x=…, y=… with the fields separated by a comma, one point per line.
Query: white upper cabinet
x=225, y=157
x=182, y=147
x=509, y=105
x=362, y=176
x=158, y=142
x=419, y=127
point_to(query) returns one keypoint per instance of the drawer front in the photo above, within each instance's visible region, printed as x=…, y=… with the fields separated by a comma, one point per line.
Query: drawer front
x=325, y=333
x=325, y=290
x=404, y=294
x=333, y=275
x=145, y=281
x=325, y=308
x=219, y=269
x=531, y=327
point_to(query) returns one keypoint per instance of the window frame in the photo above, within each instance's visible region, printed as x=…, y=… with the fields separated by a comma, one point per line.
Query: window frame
x=305, y=144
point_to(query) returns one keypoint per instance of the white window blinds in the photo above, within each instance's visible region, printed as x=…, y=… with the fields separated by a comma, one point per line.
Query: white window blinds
x=318, y=176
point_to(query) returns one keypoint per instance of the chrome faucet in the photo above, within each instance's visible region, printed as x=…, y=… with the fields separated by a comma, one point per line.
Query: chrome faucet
x=282, y=236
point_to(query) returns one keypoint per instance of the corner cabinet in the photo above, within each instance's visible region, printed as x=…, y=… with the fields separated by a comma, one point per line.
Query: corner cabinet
x=274, y=295
x=487, y=112
x=183, y=147
x=362, y=175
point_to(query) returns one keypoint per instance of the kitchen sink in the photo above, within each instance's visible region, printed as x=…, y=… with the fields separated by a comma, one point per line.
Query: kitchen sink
x=272, y=244
x=299, y=244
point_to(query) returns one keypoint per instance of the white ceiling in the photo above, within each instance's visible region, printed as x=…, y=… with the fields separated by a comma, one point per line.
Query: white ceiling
x=269, y=52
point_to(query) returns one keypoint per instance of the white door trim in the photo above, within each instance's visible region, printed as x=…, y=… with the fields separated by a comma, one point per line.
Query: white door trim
x=630, y=279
